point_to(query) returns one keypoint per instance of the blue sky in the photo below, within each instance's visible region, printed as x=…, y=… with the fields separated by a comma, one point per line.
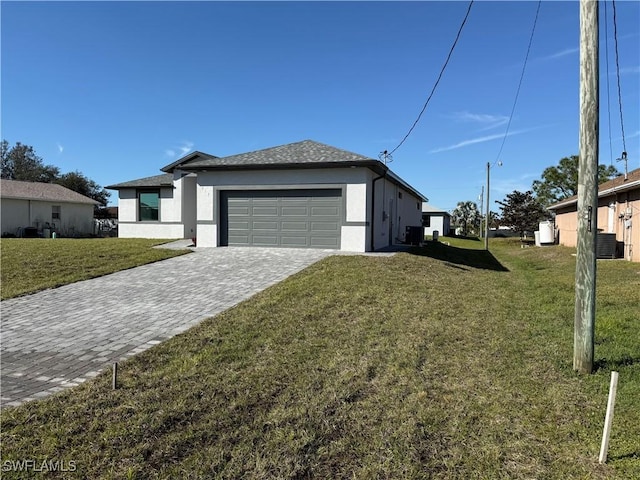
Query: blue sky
x=118, y=90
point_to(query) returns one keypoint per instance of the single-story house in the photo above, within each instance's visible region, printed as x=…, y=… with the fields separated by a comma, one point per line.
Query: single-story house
x=618, y=209
x=435, y=219
x=45, y=207
x=305, y=194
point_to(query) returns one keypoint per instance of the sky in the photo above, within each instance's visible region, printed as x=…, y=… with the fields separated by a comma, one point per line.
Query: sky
x=117, y=90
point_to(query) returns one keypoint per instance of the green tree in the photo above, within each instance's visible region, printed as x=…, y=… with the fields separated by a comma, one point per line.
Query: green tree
x=467, y=216
x=20, y=162
x=77, y=182
x=561, y=181
x=522, y=211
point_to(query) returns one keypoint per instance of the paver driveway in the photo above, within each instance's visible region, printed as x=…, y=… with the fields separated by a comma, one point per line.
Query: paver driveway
x=60, y=337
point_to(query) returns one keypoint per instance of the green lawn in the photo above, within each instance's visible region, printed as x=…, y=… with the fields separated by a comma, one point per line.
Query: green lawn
x=30, y=265
x=445, y=363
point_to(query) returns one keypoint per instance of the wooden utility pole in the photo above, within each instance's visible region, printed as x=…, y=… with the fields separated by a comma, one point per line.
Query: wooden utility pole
x=486, y=222
x=583, y=344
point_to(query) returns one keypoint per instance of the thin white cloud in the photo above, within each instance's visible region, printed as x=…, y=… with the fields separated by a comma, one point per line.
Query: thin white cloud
x=60, y=148
x=635, y=69
x=478, y=140
x=634, y=135
x=186, y=147
x=181, y=150
x=561, y=53
x=488, y=121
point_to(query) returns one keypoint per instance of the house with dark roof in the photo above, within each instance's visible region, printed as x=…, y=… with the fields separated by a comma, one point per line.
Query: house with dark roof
x=305, y=194
x=44, y=208
x=618, y=214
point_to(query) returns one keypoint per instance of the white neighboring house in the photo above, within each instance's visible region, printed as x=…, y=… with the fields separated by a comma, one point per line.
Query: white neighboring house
x=305, y=194
x=435, y=219
x=47, y=207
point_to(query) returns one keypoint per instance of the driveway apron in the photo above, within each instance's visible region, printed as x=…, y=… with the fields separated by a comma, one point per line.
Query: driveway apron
x=61, y=337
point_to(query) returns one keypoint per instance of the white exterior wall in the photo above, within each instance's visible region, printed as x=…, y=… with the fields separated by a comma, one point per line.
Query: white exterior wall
x=76, y=219
x=353, y=237
x=390, y=229
x=150, y=230
x=437, y=223
x=14, y=214
x=409, y=213
x=127, y=206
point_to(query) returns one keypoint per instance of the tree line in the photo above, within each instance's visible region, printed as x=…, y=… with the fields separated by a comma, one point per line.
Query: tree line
x=523, y=211
x=20, y=162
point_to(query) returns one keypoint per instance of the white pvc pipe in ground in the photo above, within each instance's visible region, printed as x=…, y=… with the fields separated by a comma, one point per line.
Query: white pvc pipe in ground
x=608, y=420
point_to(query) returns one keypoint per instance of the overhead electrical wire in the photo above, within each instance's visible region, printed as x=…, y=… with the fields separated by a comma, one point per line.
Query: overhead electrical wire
x=437, y=81
x=524, y=66
x=606, y=52
x=615, y=38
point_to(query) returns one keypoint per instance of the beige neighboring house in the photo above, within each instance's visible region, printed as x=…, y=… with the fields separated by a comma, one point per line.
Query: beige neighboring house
x=618, y=213
x=29, y=208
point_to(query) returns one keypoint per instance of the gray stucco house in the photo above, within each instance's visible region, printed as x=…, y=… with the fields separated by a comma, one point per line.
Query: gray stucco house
x=305, y=194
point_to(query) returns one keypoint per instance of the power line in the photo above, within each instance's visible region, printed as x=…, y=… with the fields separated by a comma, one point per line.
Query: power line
x=606, y=51
x=615, y=38
x=438, y=80
x=515, y=101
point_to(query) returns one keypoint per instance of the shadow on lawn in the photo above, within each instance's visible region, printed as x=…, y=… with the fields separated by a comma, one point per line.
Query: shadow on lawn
x=614, y=363
x=459, y=257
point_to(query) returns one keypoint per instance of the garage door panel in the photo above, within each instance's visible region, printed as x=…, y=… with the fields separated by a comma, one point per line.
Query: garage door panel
x=290, y=211
x=286, y=218
x=287, y=241
x=319, y=211
x=235, y=225
x=238, y=210
x=264, y=210
x=324, y=242
x=264, y=240
x=273, y=225
x=295, y=226
x=325, y=227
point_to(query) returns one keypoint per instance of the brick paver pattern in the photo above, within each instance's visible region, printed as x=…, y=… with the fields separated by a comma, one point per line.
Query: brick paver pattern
x=61, y=337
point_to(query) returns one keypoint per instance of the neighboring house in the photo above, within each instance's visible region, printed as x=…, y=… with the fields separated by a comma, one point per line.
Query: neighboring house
x=45, y=207
x=435, y=219
x=304, y=194
x=618, y=213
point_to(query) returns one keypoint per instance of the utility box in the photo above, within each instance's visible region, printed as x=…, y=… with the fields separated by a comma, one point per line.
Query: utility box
x=413, y=235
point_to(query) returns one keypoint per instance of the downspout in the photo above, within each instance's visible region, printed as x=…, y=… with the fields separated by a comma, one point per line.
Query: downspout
x=373, y=208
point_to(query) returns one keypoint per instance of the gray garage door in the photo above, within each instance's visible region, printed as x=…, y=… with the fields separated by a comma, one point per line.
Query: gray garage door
x=281, y=218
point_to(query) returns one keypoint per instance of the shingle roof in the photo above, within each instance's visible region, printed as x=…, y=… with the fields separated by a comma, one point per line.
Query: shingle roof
x=51, y=192
x=163, y=180
x=617, y=184
x=305, y=153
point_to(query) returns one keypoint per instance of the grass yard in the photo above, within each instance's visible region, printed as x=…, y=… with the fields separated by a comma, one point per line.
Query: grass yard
x=30, y=265
x=443, y=363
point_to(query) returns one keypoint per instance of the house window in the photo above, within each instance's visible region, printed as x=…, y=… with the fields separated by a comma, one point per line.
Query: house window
x=55, y=212
x=426, y=221
x=400, y=195
x=149, y=206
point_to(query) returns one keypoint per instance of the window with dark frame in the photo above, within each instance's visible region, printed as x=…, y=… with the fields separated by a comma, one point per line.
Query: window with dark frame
x=426, y=221
x=55, y=212
x=149, y=206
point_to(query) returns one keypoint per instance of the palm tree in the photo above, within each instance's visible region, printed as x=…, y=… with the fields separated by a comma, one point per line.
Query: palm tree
x=466, y=215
